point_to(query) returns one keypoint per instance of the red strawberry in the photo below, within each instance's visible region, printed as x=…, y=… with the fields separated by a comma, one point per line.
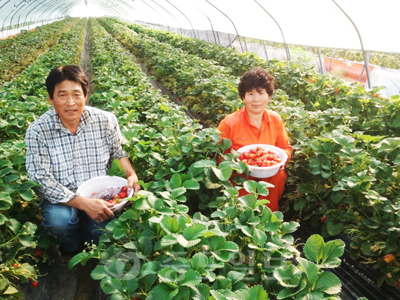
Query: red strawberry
x=122, y=195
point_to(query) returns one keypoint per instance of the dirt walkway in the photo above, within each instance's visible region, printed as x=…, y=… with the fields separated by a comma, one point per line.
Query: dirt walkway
x=85, y=59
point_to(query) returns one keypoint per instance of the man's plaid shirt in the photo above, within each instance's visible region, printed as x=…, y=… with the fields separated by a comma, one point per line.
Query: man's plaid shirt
x=60, y=161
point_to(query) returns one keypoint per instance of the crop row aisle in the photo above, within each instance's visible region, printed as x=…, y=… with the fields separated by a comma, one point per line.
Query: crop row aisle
x=19, y=51
x=22, y=101
x=163, y=246
x=346, y=139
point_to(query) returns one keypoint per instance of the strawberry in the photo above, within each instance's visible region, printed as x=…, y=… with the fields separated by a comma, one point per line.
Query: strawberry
x=34, y=284
x=323, y=219
x=124, y=189
x=111, y=202
x=122, y=195
x=15, y=265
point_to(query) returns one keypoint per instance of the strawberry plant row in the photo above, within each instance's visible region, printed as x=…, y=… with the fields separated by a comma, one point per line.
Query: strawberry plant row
x=22, y=101
x=340, y=175
x=18, y=52
x=377, y=114
x=25, y=98
x=159, y=247
x=206, y=88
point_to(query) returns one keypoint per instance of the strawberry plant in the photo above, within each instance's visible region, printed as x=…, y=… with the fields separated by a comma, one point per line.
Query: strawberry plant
x=338, y=172
x=22, y=101
x=20, y=51
x=164, y=245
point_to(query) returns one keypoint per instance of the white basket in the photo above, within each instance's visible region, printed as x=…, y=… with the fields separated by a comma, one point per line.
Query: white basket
x=103, y=186
x=265, y=172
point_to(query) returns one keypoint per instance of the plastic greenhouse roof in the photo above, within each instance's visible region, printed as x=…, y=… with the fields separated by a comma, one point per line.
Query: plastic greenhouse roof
x=345, y=24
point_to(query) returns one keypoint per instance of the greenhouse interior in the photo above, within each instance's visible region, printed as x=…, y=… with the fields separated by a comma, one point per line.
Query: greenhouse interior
x=199, y=149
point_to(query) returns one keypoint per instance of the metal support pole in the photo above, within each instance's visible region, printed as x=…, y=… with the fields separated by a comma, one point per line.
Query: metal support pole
x=245, y=44
x=168, y=12
x=321, y=63
x=283, y=36
x=237, y=33
x=194, y=33
x=365, y=55
x=212, y=27
x=265, y=51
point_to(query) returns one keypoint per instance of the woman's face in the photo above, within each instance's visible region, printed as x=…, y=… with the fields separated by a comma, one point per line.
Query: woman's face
x=256, y=100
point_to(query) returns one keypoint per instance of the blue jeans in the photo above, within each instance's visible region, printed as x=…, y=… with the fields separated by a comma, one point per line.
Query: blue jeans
x=71, y=226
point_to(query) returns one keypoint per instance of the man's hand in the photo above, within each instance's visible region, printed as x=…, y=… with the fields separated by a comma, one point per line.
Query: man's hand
x=97, y=209
x=133, y=183
x=130, y=174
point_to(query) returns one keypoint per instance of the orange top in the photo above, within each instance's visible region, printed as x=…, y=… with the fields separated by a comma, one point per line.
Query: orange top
x=241, y=132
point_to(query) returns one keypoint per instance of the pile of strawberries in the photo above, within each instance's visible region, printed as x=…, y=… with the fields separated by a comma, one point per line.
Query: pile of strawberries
x=118, y=197
x=260, y=158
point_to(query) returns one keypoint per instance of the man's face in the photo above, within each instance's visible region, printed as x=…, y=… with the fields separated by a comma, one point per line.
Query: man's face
x=256, y=100
x=69, y=102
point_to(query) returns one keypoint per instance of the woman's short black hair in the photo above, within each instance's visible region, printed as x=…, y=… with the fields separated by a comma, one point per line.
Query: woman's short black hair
x=71, y=73
x=257, y=78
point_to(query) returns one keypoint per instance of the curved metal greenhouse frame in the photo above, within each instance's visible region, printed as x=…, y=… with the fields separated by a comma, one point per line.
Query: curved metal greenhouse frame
x=338, y=24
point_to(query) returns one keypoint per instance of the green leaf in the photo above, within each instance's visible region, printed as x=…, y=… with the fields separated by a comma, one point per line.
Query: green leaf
x=4, y=284
x=149, y=268
x=223, y=173
x=130, y=245
x=168, y=240
x=250, y=186
x=175, y=181
x=249, y=200
x=199, y=262
x=201, y=292
x=191, y=184
x=205, y=163
x=116, y=169
x=289, y=227
x=168, y=274
x=289, y=277
x=331, y=252
x=3, y=219
x=328, y=283
x=334, y=227
x=191, y=278
x=235, y=276
x=187, y=243
x=194, y=231
x=164, y=291
x=177, y=192
x=5, y=201
x=259, y=237
x=310, y=269
x=110, y=285
x=14, y=225
x=99, y=273
x=225, y=144
x=313, y=249
x=82, y=258
x=28, y=229
x=254, y=293
x=27, y=241
x=170, y=225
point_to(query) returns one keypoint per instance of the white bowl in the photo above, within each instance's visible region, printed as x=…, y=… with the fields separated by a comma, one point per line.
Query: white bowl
x=265, y=172
x=97, y=187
